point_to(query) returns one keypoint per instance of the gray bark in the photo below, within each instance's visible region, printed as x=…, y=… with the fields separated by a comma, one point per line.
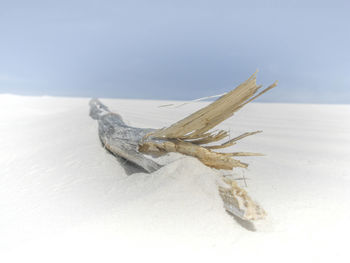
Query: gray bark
x=120, y=139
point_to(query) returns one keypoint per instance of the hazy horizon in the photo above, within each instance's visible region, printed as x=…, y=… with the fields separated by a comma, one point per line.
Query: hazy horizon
x=179, y=50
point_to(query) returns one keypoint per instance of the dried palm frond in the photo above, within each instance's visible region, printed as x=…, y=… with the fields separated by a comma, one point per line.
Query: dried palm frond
x=190, y=135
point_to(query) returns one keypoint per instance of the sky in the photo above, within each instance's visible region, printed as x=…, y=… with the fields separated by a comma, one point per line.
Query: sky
x=176, y=50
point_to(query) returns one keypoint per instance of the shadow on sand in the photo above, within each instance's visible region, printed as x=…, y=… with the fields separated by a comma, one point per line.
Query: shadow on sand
x=243, y=223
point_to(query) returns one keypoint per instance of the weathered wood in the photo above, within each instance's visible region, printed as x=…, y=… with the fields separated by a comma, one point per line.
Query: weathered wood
x=120, y=139
x=238, y=202
x=196, y=125
x=207, y=157
x=189, y=136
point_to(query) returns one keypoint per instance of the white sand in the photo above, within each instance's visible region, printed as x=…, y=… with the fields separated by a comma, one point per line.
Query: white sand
x=64, y=198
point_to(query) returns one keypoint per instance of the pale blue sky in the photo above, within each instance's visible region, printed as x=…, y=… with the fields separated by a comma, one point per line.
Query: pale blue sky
x=175, y=49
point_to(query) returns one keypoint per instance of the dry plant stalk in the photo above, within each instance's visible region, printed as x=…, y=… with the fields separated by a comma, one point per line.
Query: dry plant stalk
x=207, y=157
x=190, y=135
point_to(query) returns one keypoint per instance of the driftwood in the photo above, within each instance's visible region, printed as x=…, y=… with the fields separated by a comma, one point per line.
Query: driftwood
x=192, y=136
x=120, y=139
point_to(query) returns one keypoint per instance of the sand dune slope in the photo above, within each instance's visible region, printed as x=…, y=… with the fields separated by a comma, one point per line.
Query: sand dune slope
x=64, y=198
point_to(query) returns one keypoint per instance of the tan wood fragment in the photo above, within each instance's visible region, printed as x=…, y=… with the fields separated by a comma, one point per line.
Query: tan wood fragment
x=244, y=154
x=190, y=135
x=208, y=117
x=207, y=157
x=238, y=202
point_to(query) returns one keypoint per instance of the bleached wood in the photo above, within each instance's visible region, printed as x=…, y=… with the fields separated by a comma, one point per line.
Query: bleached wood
x=211, y=138
x=190, y=135
x=207, y=157
x=238, y=202
x=200, y=122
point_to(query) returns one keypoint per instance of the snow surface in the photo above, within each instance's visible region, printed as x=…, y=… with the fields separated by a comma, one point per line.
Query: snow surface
x=64, y=198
